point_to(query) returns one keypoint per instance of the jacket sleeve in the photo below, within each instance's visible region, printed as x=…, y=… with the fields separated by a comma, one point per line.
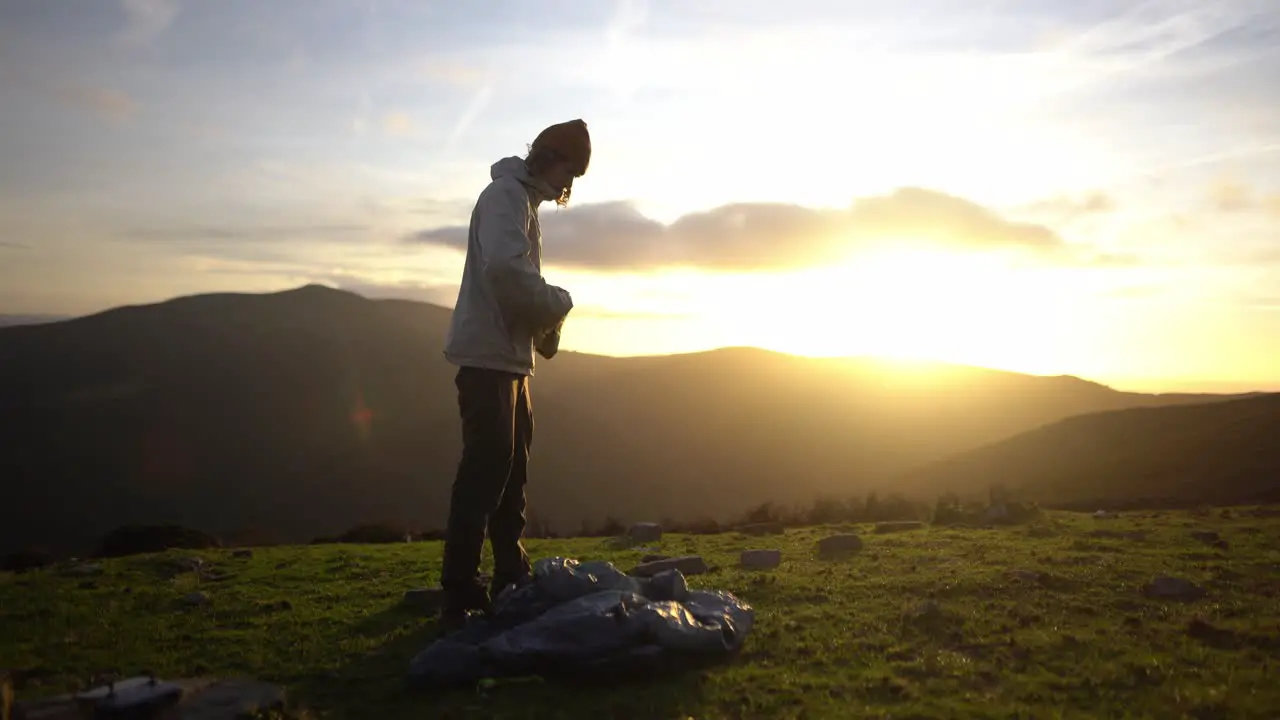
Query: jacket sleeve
x=522, y=293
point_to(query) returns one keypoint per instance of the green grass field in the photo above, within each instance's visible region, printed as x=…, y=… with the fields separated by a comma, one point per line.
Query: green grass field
x=1041, y=621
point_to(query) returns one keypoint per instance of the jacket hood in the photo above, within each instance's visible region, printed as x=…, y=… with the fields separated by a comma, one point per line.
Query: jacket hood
x=514, y=167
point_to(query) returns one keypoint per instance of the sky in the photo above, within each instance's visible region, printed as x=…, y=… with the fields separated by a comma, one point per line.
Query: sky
x=1085, y=187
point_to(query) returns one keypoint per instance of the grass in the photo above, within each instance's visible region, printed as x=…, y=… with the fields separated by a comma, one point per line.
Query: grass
x=1040, y=621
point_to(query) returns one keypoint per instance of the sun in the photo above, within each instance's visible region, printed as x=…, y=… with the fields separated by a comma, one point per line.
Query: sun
x=915, y=303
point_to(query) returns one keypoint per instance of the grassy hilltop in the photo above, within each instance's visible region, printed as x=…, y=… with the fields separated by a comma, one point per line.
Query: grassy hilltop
x=1038, y=621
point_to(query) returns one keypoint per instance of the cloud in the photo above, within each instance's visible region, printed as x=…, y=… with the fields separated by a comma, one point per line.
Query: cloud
x=759, y=236
x=1071, y=208
x=106, y=103
x=1231, y=197
x=397, y=123
x=454, y=72
x=146, y=20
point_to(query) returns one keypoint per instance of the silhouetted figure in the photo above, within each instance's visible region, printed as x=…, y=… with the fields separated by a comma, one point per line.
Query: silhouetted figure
x=505, y=311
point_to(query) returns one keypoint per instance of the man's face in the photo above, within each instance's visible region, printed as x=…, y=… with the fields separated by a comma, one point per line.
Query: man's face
x=560, y=176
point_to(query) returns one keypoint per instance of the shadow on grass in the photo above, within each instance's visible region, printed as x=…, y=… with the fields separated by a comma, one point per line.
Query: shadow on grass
x=376, y=684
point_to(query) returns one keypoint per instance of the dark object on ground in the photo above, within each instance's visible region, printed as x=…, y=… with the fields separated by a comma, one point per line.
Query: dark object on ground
x=645, y=532
x=837, y=545
x=687, y=565
x=139, y=539
x=424, y=599
x=148, y=697
x=760, y=559
x=1172, y=588
x=588, y=620
x=24, y=560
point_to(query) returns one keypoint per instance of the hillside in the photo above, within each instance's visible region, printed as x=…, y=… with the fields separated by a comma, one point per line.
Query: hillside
x=283, y=416
x=1046, y=621
x=1215, y=452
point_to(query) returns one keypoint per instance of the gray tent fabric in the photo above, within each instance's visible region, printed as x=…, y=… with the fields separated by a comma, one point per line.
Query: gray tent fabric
x=579, y=619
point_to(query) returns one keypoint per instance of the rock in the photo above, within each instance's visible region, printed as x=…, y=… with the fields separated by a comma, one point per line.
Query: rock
x=233, y=698
x=189, y=699
x=83, y=570
x=761, y=559
x=195, y=599
x=654, y=558
x=837, y=545
x=645, y=532
x=1172, y=588
x=764, y=528
x=1025, y=575
x=687, y=565
x=242, y=553
x=426, y=599
x=898, y=526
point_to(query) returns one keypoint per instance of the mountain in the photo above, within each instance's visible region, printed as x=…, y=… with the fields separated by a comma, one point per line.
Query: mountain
x=1212, y=453
x=282, y=416
x=8, y=320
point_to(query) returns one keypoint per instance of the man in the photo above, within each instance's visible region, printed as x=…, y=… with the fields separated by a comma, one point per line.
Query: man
x=505, y=311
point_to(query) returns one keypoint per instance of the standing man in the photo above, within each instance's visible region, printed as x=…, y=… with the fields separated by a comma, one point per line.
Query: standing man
x=505, y=311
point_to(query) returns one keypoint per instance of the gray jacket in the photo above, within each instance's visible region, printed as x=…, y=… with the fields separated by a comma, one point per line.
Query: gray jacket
x=504, y=305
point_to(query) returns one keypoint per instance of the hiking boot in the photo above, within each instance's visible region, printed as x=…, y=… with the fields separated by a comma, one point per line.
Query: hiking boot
x=501, y=584
x=459, y=602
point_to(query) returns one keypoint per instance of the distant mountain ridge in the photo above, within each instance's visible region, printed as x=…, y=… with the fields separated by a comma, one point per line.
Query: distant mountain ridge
x=1215, y=453
x=282, y=416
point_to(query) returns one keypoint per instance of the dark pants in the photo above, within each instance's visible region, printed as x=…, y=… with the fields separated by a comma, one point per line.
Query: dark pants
x=488, y=491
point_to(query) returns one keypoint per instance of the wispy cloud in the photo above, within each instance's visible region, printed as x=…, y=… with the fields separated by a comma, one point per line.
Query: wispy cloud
x=146, y=20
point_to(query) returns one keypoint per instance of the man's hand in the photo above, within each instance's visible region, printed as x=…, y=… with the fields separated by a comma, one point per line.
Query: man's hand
x=547, y=341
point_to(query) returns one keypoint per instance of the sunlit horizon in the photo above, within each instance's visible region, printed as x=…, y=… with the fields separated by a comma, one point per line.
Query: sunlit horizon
x=1043, y=187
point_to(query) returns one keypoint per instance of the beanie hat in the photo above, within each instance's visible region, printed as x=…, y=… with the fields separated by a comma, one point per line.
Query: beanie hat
x=569, y=140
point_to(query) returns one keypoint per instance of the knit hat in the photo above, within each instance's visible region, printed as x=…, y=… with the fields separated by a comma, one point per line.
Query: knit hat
x=568, y=139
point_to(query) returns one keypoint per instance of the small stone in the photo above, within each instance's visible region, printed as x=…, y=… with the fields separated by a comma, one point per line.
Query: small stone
x=761, y=559
x=645, y=532
x=195, y=599
x=688, y=565
x=1172, y=588
x=427, y=599
x=242, y=553
x=654, y=557
x=898, y=526
x=837, y=545
x=233, y=698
